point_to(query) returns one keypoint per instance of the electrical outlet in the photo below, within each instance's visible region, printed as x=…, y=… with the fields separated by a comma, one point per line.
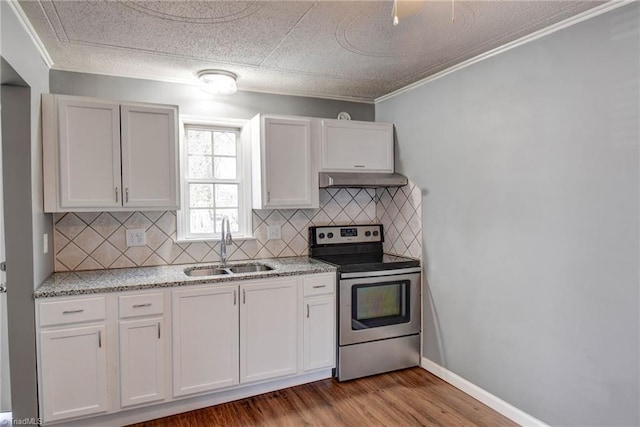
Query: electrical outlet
x=274, y=232
x=136, y=237
x=45, y=243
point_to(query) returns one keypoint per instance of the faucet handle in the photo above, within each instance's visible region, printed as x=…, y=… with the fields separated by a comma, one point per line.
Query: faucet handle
x=228, y=240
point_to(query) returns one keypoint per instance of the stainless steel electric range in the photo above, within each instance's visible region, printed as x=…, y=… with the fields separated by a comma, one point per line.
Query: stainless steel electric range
x=378, y=300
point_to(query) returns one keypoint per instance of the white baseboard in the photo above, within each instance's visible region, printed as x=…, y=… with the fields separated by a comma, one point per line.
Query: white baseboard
x=494, y=402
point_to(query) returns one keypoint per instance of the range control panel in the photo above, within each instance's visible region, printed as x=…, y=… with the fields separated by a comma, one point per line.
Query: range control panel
x=331, y=235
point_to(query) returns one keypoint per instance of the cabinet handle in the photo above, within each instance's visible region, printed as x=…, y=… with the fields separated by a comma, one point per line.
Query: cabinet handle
x=72, y=311
x=158, y=330
x=358, y=166
x=244, y=296
x=126, y=195
x=234, y=297
x=148, y=304
x=307, y=311
x=117, y=198
x=99, y=339
x=268, y=196
x=319, y=286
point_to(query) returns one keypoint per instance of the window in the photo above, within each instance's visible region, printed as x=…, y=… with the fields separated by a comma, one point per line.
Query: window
x=215, y=180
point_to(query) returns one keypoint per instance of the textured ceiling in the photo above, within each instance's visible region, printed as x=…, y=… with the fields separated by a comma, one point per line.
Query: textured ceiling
x=335, y=49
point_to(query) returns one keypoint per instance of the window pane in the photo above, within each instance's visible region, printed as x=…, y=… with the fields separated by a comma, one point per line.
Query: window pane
x=201, y=221
x=200, y=167
x=226, y=196
x=199, y=141
x=225, y=167
x=224, y=143
x=201, y=195
x=233, y=219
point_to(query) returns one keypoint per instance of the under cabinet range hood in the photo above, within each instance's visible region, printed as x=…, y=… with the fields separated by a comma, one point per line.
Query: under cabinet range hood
x=361, y=180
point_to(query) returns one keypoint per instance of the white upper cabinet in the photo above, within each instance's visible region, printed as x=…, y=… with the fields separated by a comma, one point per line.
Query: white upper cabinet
x=353, y=146
x=89, y=153
x=284, y=153
x=149, y=156
x=103, y=155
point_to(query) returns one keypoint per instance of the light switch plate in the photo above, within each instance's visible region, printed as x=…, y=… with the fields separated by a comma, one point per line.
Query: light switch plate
x=274, y=232
x=45, y=243
x=136, y=237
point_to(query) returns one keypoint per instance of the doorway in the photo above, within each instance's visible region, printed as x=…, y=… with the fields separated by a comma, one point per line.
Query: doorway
x=5, y=388
x=18, y=384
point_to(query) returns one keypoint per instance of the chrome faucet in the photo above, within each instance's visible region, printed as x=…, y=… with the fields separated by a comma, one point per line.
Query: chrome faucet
x=225, y=239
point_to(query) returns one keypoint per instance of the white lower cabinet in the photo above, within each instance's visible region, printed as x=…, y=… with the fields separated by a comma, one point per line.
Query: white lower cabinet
x=205, y=339
x=142, y=351
x=268, y=330
x=319, y=322
x=319, y=332
x=142, y=361
x=73, y=372
x=103, y=354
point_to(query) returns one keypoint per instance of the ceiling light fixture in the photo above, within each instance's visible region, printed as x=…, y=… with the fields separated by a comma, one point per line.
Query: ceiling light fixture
x=394, y=12
x=405, y=8
x=218, y=82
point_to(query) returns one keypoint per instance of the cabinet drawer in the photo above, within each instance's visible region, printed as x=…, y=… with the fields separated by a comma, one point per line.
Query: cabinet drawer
x=318, y=285
x=72, y=311
x=141, y=305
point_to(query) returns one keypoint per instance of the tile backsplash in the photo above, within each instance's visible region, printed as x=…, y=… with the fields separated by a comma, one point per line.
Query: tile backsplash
x=399, y=210
x=96, y=240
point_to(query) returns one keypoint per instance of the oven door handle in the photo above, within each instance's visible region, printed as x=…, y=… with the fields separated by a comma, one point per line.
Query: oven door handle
x=380, y=273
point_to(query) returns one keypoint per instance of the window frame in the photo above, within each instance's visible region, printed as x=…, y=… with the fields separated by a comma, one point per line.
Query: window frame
x=243, y=177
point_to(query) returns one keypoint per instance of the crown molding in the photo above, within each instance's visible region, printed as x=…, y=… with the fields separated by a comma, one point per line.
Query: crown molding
x=588, y=14
x=26, y=24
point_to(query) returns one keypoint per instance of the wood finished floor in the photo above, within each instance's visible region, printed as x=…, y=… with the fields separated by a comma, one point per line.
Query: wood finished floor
x=412, y=397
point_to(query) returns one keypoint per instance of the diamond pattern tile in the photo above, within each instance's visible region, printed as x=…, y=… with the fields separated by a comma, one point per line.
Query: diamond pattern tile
x=106, y=254
x=400, y=213
x=88, y=240
x=105, y=224
x=198, y=250
x=70, y=225
x=71, y=256
x=84, y=241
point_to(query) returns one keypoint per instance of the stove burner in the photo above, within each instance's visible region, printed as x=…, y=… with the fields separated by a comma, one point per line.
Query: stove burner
x=355, y=248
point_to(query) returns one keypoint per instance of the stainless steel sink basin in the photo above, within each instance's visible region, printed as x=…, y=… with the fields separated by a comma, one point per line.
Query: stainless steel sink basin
x=231, y=269
x=206, y=271
x=249, y=268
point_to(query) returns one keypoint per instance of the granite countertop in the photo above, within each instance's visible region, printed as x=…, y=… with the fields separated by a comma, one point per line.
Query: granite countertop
x=131, y=279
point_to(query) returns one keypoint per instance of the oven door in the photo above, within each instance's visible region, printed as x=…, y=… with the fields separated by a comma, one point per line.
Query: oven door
x=381, y=305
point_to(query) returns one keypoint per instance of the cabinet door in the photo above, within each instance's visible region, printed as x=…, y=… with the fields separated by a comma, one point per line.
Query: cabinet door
x=205, y=339
x=319, y=333
x=74, y=372
x=89, y=154
x=288, y=178
x=268, y=330
x=350, y=146
x=149, y=156
x=142, y=361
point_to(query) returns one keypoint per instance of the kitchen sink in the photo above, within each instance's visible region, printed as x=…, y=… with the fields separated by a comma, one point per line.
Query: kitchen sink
x=249, y=268
x=206, y=271
x=232, y=269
